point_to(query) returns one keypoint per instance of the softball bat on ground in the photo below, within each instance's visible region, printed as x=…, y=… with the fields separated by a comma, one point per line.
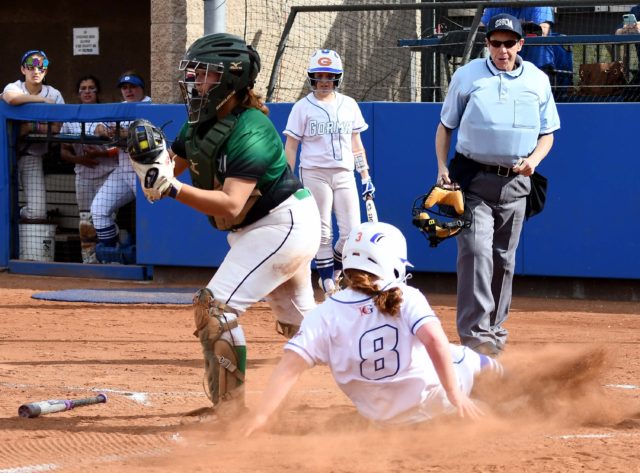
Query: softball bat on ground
x=35, y=409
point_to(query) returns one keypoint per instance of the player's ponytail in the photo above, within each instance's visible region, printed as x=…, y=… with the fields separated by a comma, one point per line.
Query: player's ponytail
x=388, y=301
x=250, y=99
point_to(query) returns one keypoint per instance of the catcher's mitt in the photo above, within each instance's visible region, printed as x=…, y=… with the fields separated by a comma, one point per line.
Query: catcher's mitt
x=151, y=161
x=145, y=141
x=444, y=201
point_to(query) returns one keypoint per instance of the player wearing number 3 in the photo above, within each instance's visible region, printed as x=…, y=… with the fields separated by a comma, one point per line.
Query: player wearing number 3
x=382, y=341
x=328, y=125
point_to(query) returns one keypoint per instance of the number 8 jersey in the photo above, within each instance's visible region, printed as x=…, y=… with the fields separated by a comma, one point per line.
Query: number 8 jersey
x=375, y=358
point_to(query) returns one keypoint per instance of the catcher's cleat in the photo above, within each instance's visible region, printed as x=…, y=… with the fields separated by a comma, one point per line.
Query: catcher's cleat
x=286, y=330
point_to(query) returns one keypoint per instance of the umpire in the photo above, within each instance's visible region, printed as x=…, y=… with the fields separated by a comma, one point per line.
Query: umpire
x=506, y=117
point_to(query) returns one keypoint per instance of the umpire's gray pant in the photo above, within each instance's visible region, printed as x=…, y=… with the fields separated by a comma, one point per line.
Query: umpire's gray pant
x=486, y=256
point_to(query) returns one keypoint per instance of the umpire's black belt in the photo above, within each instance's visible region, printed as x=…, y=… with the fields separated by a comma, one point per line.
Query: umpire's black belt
x=499, y=170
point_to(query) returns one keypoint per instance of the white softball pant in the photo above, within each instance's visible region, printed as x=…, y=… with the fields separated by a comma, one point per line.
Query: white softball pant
x=467, y=363
x=270, y=259
x=86, y=190
x=334, y=190
x=118, y=190
x=31, y=176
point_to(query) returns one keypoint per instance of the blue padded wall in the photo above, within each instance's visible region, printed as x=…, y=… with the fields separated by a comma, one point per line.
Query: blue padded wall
x=588, y=228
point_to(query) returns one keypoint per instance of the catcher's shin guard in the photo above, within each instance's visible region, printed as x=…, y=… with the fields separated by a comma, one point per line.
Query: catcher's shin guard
x=223, y=347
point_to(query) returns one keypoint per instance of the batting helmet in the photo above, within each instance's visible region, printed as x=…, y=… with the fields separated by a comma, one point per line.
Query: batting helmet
x=377, y=248
x=446, y=202
x=235, y=64
x=145, y=141
x=325, y=60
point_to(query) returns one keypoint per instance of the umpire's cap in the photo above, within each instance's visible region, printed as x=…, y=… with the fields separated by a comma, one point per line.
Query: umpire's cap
x=504, y=22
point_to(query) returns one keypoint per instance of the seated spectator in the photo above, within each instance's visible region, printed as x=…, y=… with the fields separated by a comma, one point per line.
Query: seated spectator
x=34, y=67
x=632, y=94
x=632, y=28
x=93, y=164
x=541, y=16
x=120, y=187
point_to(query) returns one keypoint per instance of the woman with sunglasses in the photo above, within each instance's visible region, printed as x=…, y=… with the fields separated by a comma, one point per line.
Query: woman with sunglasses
x=93, y=164
x=34, y=67
x=506, y=117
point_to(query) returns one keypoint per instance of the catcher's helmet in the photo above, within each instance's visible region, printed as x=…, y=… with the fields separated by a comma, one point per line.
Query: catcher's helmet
x=229, y=56
x=145, y=141
x=325, y=60
x=446, y=202
x=377, y=248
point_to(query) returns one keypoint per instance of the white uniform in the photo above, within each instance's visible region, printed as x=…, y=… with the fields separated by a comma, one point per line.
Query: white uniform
x=30, y=171
x=88, y=179
x=118, y=190
x=377, y=360
x=325, y=130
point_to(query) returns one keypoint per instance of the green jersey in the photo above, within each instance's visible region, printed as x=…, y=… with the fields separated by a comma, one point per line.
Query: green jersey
x=245, y=146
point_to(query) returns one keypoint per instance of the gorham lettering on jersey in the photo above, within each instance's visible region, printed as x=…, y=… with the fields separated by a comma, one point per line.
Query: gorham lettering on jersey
x=324, y=128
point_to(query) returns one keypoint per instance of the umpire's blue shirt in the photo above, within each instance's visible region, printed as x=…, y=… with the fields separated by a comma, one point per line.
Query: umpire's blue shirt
x=500, y=114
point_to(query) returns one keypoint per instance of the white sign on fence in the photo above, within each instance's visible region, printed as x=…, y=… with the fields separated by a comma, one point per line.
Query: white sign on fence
x=86, y=41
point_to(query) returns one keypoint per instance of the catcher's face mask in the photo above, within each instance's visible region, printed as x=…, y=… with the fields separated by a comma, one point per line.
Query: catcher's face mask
x=446, y=202
x=199, y=80
x=216, y=68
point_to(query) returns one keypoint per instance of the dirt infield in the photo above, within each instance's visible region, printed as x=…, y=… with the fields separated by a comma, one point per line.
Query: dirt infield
x=571, y=401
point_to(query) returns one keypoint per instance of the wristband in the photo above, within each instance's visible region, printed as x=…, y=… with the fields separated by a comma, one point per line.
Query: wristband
x=174, y=188
x=360, y=160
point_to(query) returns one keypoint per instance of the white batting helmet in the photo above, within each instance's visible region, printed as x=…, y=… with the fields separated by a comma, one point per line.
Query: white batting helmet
x=377, y=248
x=325, y=60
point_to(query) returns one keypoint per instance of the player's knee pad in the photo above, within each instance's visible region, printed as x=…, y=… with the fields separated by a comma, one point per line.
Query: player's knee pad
x=224, y=355
x=209, y=313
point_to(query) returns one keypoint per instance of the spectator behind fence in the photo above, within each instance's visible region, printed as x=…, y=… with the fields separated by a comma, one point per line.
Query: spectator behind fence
x=34, y=67
x=631, y=27
x=120, y=187
x=93, y=164
x=541, y=16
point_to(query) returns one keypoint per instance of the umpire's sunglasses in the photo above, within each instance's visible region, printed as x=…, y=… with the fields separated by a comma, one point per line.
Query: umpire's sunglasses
x=510, y=43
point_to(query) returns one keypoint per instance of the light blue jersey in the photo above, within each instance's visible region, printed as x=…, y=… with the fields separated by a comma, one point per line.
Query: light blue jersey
x=500, y=114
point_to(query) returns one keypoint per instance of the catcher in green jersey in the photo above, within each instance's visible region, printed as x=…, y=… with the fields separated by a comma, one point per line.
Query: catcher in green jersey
x=242, y=182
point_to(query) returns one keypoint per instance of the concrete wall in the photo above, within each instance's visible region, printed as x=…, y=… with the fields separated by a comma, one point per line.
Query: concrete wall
x=40, y=24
